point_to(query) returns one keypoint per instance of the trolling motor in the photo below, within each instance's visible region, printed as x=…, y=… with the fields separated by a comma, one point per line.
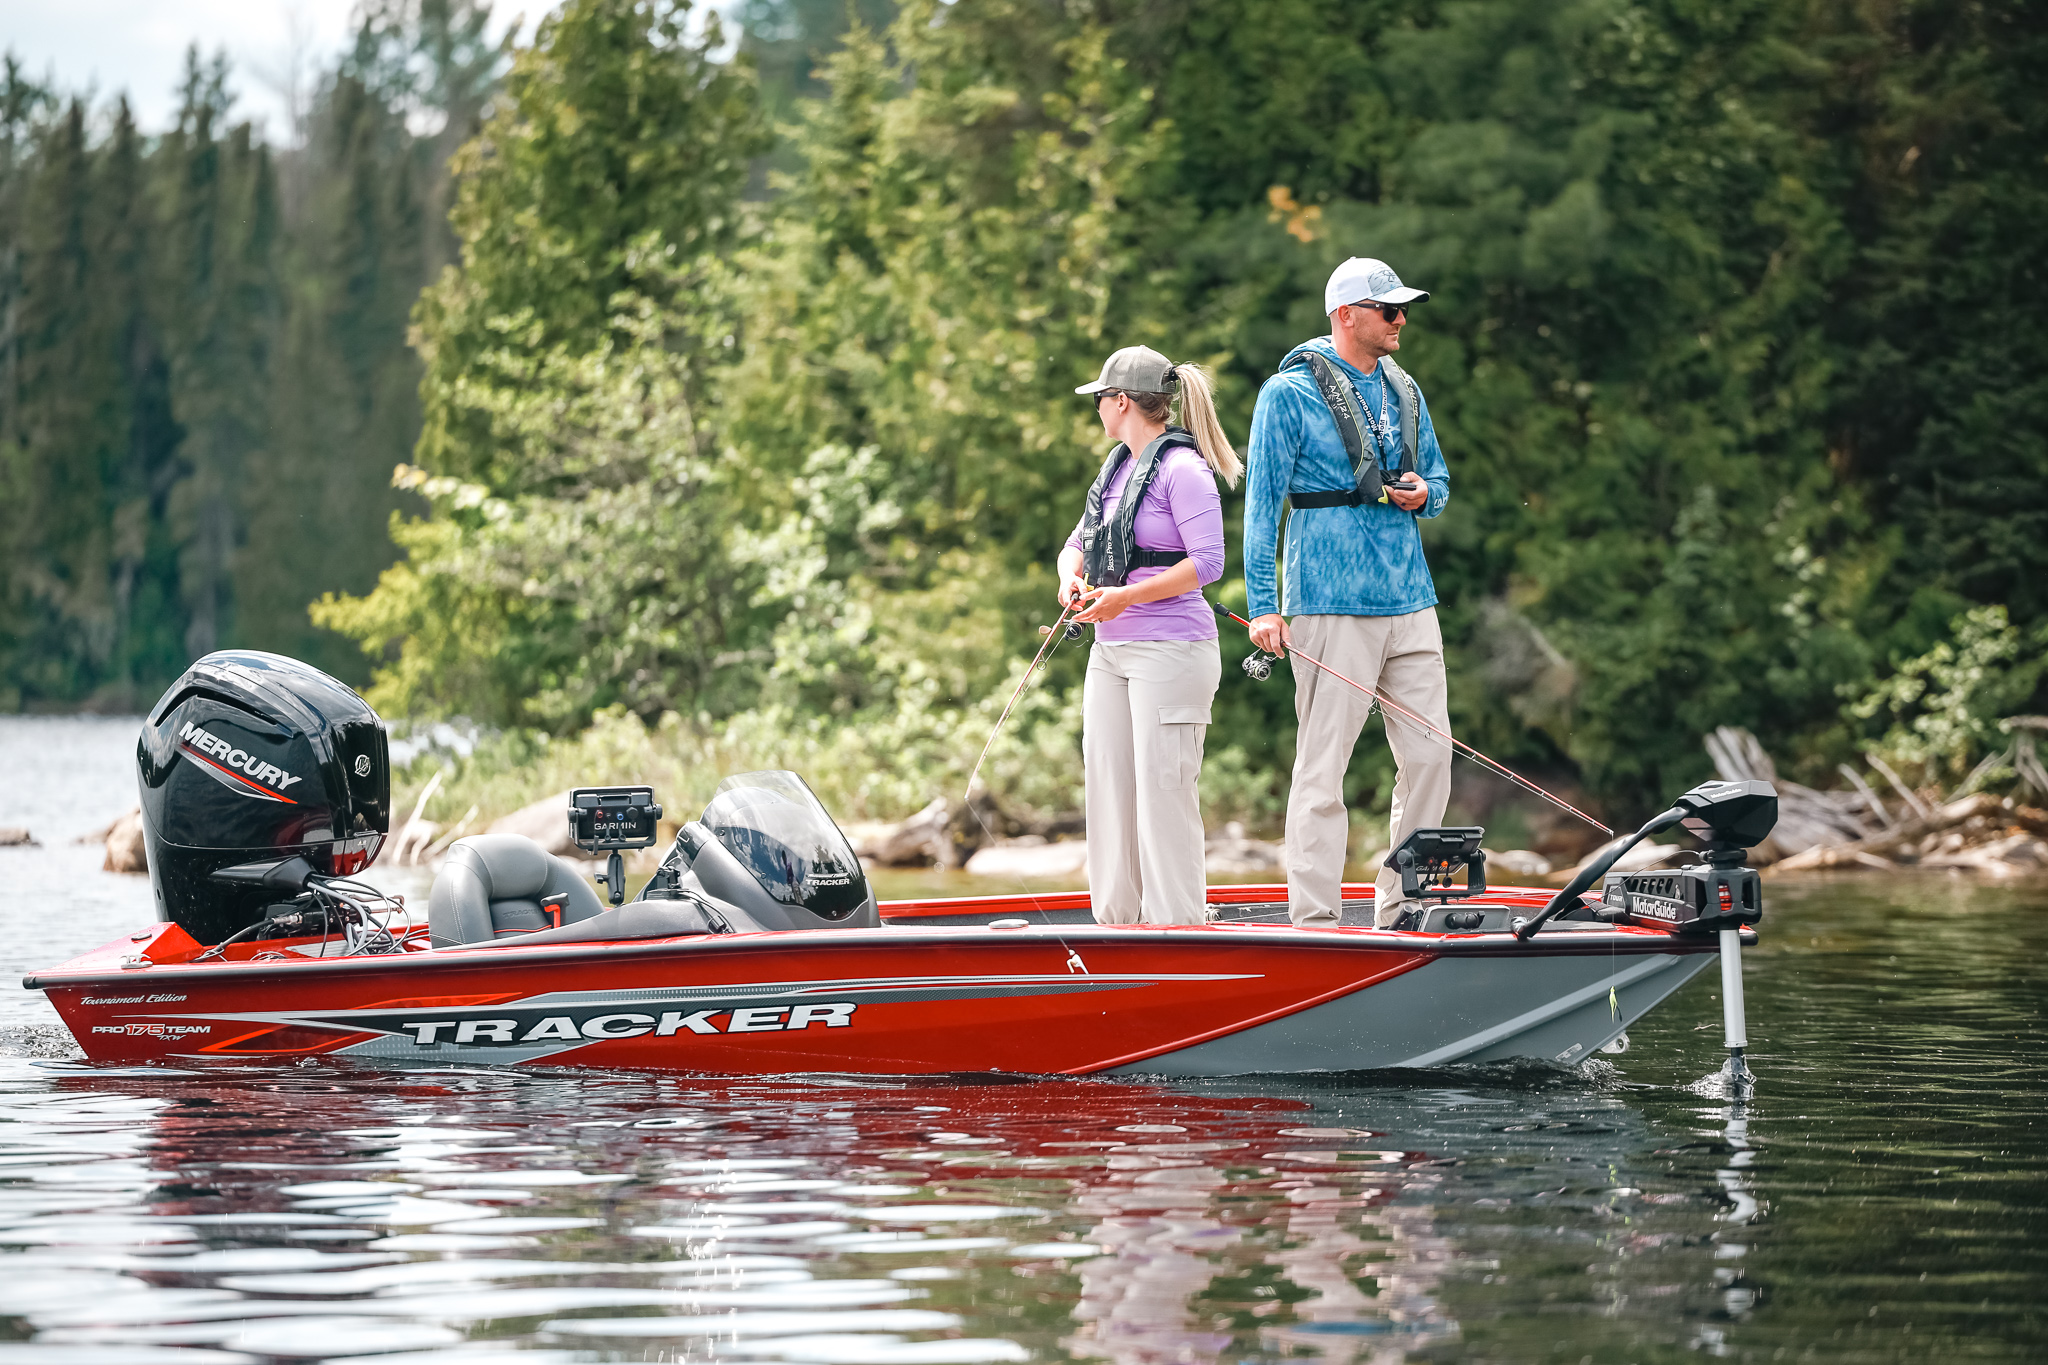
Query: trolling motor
x=609, y=819
x=1719, y=894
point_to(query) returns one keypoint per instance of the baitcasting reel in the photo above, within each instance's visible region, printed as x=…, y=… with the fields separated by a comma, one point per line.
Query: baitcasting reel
x=1258, y=666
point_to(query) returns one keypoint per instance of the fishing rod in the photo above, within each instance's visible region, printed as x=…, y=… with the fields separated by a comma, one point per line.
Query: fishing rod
x=1062, y=628
x=1387, y=703
x=1059, y=630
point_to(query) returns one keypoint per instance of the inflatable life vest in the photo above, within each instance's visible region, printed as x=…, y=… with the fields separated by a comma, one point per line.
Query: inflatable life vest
x=1109, y=550
x=1346, y=405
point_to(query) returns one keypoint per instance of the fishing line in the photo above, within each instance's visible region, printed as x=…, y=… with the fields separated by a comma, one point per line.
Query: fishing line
x=1387, y=704
x=1053, y=636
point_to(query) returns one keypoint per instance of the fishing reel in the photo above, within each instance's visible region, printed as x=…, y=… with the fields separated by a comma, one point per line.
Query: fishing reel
x=1074, y=631
x=1258, y=665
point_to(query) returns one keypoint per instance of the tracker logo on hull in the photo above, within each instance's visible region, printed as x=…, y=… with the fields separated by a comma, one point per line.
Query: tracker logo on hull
x=525, y=1029
x=236, y=769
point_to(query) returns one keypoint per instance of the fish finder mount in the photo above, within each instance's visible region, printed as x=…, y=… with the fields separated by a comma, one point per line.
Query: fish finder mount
x=1429, y=858
x=610, y=819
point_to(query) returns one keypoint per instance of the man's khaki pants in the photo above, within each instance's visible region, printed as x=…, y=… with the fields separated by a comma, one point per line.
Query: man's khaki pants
x=1144, y=713
x=1402, y=656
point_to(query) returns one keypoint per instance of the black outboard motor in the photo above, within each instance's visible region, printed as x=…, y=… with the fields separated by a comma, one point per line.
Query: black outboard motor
x=252, y=757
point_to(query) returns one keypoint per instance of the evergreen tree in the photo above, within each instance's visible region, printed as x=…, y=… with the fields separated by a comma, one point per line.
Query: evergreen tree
x=206, y=387
x=143, y=570
x=343, y=404
x=218, y=287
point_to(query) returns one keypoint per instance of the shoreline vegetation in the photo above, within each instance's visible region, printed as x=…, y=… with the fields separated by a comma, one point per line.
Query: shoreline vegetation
x=674, y=393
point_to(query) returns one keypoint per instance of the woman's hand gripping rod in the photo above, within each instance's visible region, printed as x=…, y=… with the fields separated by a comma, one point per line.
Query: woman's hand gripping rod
x=1458, y=744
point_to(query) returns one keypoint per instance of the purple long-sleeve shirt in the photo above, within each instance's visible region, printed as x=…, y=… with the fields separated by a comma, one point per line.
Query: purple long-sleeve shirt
x=1181, y=511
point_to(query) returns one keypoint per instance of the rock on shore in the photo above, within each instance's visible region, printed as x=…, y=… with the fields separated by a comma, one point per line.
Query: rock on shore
x=1230, y=852
x=546, y=822
x=124, y=845
x=1030, y=856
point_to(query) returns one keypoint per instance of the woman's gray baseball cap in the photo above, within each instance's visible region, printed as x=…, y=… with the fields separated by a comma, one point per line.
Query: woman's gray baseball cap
x=1134, y=369
x=1363, y=279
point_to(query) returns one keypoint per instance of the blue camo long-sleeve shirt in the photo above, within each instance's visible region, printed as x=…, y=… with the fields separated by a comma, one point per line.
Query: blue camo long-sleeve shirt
x=1341, y=561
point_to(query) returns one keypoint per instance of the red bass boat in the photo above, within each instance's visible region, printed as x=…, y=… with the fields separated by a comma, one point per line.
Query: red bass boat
x=758, y=947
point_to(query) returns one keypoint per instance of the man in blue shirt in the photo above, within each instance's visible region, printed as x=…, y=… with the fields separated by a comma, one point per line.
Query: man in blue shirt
x=1357, y=588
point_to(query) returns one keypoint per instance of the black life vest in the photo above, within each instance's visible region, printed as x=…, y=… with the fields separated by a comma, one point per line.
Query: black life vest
x=1109, y=551
x=1369, y=482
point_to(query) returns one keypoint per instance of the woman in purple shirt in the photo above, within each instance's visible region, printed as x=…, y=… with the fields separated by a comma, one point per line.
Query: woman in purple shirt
x=1150, y=539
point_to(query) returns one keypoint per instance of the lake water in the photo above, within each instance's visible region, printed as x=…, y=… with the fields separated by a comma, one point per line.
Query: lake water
x=1881, y=1199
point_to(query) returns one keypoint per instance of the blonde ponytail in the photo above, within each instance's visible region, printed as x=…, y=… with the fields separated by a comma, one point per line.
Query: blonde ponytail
x=1198, y=415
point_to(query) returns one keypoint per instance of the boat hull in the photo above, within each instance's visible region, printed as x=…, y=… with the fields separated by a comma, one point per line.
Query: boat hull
x=903, y=999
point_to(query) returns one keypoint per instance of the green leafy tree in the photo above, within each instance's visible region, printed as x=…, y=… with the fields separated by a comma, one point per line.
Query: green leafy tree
x=619, y=138
x=575, y=556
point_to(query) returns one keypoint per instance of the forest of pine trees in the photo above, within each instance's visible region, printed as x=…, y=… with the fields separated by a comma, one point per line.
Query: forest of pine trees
x=204, y=376
x=727, y=363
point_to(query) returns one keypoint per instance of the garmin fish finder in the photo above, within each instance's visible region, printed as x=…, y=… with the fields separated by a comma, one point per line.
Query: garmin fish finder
x=610, y=819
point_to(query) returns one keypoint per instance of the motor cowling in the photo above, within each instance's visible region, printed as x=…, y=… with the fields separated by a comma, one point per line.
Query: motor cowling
x=252, y=756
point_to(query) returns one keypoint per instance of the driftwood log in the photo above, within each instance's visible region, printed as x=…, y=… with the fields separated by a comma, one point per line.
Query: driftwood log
x=1882, y=849
x=924, y=840
x=1806, y=818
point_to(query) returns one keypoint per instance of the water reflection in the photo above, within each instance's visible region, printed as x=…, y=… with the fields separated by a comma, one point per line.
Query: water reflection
x=224, y=1217
x=1201, y=1236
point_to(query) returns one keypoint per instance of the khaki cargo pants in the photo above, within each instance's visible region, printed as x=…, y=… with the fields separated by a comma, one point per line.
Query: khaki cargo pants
x=1144, y=715
x=1403, y=656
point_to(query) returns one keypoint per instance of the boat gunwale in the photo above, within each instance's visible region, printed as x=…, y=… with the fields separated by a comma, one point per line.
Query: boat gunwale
x=1608, y=940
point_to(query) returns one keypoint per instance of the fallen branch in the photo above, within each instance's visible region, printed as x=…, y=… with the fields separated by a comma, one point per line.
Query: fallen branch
x=1896, y=839
x=1912, y=797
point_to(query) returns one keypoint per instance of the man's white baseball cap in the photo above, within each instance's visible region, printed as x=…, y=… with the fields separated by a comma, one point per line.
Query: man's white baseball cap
x=1361, y=279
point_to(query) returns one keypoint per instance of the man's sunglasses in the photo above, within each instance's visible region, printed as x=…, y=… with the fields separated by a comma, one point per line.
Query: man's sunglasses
x=1392, y=312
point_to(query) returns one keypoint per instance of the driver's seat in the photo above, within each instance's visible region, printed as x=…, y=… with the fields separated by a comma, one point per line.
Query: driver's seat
x=492, y=886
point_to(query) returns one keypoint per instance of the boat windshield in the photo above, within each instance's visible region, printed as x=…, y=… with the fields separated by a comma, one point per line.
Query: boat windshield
x=777, y=828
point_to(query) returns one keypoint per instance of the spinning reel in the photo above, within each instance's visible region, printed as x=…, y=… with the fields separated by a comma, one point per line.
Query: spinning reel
x=1258, y=665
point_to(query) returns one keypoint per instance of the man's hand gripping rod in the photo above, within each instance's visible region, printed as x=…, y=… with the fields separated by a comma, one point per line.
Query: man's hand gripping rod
x=1458, y=744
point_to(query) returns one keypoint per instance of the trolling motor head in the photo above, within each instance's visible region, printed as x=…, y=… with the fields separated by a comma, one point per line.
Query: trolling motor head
x=1730, y=818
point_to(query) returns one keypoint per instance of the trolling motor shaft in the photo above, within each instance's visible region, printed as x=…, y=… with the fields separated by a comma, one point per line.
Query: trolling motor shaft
x=1734, y=1017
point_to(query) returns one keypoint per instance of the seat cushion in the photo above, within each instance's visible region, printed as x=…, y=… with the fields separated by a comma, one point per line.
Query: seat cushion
x=512, y=866
x=493, y=884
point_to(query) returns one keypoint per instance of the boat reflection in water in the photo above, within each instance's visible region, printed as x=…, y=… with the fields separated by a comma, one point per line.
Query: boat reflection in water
x=801, y=1219
x=1195, y=1230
